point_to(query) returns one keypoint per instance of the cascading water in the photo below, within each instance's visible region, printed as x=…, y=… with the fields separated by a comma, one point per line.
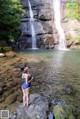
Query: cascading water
x=57, y=19
x=32, y=27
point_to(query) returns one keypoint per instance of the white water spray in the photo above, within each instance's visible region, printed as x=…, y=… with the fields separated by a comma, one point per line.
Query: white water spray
x=32, y=27
x=57, y=18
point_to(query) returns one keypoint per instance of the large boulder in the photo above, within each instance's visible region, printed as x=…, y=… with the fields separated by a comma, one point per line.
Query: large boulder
x=38, y=108
x=10, y=54
x=45, y=41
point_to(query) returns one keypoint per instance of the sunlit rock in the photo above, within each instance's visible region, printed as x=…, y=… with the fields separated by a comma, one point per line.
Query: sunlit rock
x=2, y=55
x=10, y=54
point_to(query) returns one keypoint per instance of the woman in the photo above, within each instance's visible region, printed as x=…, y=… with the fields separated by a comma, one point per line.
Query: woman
x=26, y=86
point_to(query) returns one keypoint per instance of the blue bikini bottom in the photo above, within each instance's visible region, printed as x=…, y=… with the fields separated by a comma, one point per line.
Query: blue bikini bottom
x=24, y=85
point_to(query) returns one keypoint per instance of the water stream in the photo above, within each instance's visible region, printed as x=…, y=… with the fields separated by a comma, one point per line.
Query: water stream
x=32, y=26
x=57, y=19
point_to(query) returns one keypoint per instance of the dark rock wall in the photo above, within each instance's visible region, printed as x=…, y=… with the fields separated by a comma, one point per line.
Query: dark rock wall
x=43, y=24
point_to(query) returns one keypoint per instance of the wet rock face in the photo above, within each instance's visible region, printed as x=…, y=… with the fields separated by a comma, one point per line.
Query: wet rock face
x=35, y=2
x=43, y=23
x=45, y=14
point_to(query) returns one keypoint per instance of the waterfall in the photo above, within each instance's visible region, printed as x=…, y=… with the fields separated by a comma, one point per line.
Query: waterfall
x=32, y=26
x=57, y=19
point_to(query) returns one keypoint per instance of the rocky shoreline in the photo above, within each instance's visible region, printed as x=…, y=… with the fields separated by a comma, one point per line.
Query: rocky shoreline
x=11, y=93
x=10, y=80
x=9, y=83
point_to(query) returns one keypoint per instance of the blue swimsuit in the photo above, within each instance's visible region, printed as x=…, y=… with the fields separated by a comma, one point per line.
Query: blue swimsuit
x=26, y=85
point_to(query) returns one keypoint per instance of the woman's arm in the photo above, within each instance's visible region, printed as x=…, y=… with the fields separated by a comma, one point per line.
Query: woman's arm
x=26, y=77
x=30, y=79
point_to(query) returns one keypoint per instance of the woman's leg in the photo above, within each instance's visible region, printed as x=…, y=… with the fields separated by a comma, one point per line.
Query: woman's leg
x=27, y=96
x=24, y=97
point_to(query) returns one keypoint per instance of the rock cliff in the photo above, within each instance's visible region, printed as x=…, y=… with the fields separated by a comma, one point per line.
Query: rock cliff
x=43, y=24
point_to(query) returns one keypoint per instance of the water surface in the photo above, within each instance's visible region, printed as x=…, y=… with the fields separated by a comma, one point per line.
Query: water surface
x=57, y=75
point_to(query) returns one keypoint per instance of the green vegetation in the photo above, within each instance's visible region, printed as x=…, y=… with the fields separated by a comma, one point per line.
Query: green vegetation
x=73, y=9
x=5, y=49
x=10, y=15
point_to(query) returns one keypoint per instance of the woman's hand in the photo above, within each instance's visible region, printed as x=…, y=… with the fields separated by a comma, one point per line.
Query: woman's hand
x=30, y=80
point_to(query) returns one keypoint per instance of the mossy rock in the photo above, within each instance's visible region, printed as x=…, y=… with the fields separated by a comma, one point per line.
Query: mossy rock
x=63, y=112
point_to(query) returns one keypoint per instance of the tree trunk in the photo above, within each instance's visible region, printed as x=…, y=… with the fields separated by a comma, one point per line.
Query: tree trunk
x=78, y=5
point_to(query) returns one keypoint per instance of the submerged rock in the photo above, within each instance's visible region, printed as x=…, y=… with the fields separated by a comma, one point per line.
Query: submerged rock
x=1, y=90
x=11, y=99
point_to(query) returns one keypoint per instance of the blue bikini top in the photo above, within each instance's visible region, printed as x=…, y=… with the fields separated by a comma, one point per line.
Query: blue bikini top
x=30, y=77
